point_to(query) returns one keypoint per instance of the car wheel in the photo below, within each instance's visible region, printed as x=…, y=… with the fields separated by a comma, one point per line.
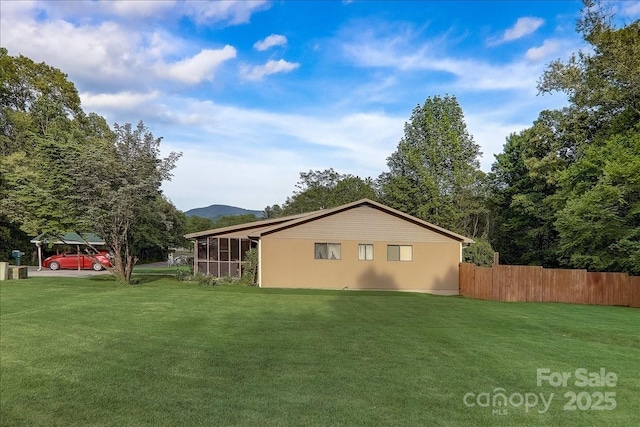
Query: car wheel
x=97, y=266
x=54, y=266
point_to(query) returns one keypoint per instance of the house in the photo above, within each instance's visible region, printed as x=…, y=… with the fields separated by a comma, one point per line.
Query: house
x=360, y=245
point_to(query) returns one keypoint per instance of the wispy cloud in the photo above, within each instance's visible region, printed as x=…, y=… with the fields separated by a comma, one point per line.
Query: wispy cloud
x=407, y=54
x=523, y=27
x=231, y=12
x=137, y=8
x=631, y=9
x=121, y=100
x=258, y=72
x=199, y=67
x=270, y=41
x=256, y=144
x=548, y=48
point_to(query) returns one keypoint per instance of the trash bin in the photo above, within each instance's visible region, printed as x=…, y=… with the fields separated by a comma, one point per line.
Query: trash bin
x=16, y=254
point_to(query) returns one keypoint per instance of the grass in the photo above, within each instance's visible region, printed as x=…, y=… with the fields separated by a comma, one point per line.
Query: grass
x=163, y=271
x=88, y=352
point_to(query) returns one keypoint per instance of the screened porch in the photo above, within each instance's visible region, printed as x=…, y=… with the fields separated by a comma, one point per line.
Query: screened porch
x=222, y=256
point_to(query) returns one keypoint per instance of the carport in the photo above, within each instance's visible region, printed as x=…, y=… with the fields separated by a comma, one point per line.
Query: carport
x=65, y=239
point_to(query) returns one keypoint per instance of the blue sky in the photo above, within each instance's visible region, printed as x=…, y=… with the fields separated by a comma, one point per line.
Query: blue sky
x=252, y=93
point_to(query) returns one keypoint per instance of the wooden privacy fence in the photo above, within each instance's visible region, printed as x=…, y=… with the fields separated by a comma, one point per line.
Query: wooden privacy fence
x=538, y=284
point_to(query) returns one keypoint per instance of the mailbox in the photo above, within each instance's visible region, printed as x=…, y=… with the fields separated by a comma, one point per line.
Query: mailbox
x=15, y=254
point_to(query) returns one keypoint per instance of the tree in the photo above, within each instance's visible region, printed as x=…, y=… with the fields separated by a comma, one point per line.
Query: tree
x=122, y=194
x=556, y=200
x=228, y=220
x=159, y=232
x=525, y=179
x=32, y=98
x=195, y=224
x=11, y=238
x=599, y=228
x=605, y=79
x=322, y=190
x=433, y=173
x=64, y=170
x=43, y=131
x=274, y=211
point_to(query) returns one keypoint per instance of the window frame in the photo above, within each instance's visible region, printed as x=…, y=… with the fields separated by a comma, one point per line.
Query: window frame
x=318, y=250
x=366, y=252
x=400, y=252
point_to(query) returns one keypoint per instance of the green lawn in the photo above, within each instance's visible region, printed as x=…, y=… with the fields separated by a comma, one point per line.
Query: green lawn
x=88, y=352
x=167, y=271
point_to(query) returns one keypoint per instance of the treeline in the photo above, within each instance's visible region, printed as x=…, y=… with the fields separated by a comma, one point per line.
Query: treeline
x=64, y=170
x=563, y=193
x=566, y=191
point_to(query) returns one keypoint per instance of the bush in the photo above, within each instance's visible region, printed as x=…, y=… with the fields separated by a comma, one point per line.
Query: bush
x=479, y=253
x=249, y=273
x=250, y=269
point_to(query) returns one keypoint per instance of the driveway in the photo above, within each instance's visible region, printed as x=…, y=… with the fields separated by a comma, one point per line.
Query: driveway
x=33, y=271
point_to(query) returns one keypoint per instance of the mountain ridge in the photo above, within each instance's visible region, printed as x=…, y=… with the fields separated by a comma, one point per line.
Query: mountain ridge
x=216, y=211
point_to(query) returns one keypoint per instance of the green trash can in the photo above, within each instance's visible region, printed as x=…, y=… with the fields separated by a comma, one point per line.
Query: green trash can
x=16, y=254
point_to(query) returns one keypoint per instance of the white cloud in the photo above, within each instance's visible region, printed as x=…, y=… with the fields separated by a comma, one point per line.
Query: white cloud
x=233, y=12
x=199, y=67
x=270, y=41
x=548, y=48
x=252, y=158
x=121, y=100
x=523, y=27
x=208, y=175
x=108, y=55
x=147, y=8
x=490, y=131
x=470, y=74
x=258, y=72
x=631, y=9
x=101, y=56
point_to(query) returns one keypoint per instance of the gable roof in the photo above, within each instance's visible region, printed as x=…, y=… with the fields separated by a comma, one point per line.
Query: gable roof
x=261, y=228
x=363, y=202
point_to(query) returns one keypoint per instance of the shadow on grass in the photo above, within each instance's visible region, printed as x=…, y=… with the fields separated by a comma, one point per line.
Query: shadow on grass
x=136, y=279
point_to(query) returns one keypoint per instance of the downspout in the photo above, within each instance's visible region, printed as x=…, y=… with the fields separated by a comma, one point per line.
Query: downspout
x=39, y=246
x=259, y=263
x=195, y=256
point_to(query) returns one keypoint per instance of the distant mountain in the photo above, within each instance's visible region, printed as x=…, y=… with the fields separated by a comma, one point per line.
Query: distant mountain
x=214, y=212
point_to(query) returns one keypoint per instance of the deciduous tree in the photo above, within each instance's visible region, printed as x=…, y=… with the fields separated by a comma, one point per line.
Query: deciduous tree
x=121, y=195
x=322, y=190
x=434, y=172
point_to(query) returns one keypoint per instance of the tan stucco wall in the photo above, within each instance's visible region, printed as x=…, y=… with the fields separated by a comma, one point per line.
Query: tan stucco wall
x=290, y=263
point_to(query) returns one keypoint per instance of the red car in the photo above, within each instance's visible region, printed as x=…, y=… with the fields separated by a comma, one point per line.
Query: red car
x=72, y=260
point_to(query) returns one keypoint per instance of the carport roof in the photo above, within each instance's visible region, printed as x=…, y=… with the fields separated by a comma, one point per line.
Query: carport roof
x=68, y=239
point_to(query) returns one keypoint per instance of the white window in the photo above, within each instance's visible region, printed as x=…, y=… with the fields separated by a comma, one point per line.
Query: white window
x=327, y=251
x=365, y=252
x=399, y=253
